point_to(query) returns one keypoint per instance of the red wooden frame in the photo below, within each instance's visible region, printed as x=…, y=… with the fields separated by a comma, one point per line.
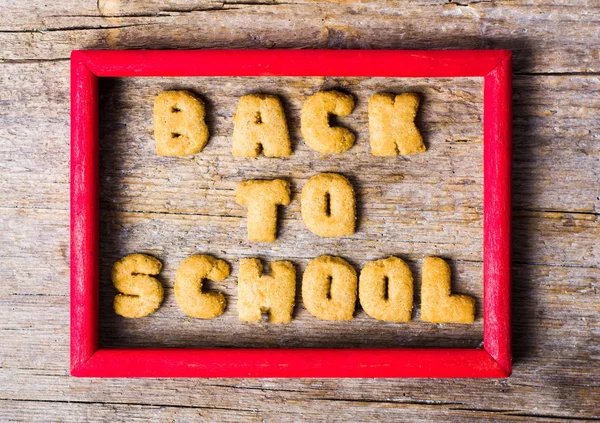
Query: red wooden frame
x=493, y=360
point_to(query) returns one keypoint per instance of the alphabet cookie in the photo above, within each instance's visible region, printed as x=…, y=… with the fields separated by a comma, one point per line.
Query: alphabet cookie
x=262, y=199
x=385, y=290
x=179, y=127
x=328, y=205
x=139, y=293
x=259, y=124
x=392, y=124
x=314, y=122
x=329, y=288
x=273, y=294
x=438, y=305
x=188, y=286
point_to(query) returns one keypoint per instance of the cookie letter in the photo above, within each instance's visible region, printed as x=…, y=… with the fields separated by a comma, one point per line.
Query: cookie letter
x=438, y=305
x=329, y=288
x=392, y=124
x=262, y=199
x=259, y=123
x=273, y=294
x=179, y=128
x=328, y=205
x=139, y=293
x=188, y=286
x=385, y=290
x=314, y=122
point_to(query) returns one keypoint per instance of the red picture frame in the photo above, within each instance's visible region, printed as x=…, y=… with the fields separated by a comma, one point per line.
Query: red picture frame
x=493, y=360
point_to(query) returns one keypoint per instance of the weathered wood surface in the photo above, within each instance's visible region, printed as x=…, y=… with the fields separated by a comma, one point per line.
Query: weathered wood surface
x=178, y=209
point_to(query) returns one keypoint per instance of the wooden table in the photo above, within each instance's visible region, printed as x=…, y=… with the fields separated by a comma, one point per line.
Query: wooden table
x=184, y=206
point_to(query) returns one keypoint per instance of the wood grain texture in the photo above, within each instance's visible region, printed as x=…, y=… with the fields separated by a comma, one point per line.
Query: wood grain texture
x=176, y=207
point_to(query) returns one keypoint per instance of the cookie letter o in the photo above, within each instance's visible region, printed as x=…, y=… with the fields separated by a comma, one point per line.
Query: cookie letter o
x=188, y=286
x=392, y=124
x=329, y=288
x=179, y=127
x=273, y=294
x=385, y=290
x=314, y=122
x=262, y=199
x=259, y=123
x=328, y=205
x=438, y=305
x=139, y=293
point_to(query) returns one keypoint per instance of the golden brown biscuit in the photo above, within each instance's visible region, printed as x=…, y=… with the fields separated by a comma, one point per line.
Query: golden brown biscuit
x=392, y=124
x=179, y=127
x=438, y=305
x=140, y=294
x=259, y=123
x=188, y=286
x=385, y=290
x=328, y=205
x=314, y=122
x=329, y=288
x=262, y=199
x=273, y=294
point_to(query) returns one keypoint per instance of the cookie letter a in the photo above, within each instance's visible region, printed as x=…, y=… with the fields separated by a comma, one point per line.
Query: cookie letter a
x=392, y=124
x=179, y=127
x=262, y=199
x=188, y=286
x=385, y=290
x=259, y=123
x=273, y=294
x=314, y=122
x=328, y=205
x=438, y=305
x=329, y=288
x=139, y=293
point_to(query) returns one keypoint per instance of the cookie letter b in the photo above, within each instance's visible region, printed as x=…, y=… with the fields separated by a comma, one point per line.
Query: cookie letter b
x=259, y=123
x=438, y=305
x=385, y=290
x=314, y=122
x=139, y=293
x=179, y=127
x=392, y=124
x=188, y=286
x=273, y=294
x=328, y=205
x=329, y=288
x=262, y=199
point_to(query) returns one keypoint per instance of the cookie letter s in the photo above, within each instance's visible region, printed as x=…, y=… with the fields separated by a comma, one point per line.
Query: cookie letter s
x=188, y=286
x=385, y=290
x=139, y=293
x=273, y=294
x=179, y=127
x=328, y=205
x=259, y=123
x=392, y=124
x=314, y=122
x=329, y=288
x=438, y=305
x=262, y=199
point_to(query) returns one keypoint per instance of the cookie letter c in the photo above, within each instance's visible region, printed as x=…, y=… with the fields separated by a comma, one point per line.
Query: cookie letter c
x=139, y=293
x=438, y=305
x=328, y=205
x=188, y=286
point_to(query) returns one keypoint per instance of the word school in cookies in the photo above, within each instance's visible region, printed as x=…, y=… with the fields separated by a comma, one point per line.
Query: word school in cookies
x=330, y=285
